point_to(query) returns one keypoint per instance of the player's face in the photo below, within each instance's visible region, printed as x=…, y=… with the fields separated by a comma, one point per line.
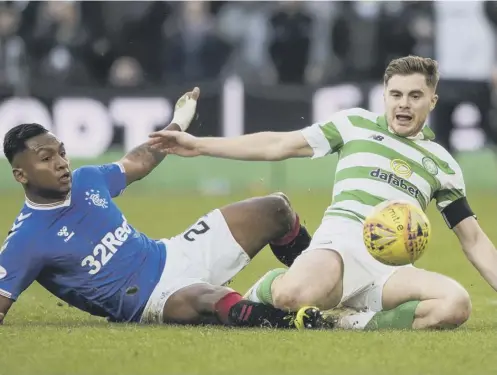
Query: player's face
x=44, y=167
x=408, y=102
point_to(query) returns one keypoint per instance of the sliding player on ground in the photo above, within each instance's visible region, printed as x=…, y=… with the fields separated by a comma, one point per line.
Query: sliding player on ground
x=72, y=238
x=389, y=156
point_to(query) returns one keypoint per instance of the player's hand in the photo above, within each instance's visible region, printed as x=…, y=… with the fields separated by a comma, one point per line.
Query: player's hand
x=177, y=143
x=185, y=107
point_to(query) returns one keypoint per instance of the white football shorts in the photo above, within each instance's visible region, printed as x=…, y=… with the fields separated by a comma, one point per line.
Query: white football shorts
x=364, y=276
x=206, y=253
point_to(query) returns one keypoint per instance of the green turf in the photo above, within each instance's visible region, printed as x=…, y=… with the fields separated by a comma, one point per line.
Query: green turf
x=44, y=336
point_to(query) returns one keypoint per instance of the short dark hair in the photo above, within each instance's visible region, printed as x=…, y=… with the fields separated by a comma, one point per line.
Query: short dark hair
x=414, y=64
x=15, y=139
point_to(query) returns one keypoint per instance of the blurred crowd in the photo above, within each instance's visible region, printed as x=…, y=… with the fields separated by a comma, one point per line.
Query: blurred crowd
x=137, y=43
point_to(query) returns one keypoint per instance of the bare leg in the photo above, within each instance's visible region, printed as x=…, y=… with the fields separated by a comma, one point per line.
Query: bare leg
x=444, y=303
x=314, y=279
x=257, y=222
x=194, y=304
x=413, y=298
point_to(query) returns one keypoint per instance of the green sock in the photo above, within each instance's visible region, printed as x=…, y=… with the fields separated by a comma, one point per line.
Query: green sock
x=401, y=317
x=264, y=288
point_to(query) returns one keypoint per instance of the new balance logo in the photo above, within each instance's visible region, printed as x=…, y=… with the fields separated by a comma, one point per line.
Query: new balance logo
x=93, y=197
x=63, y=232
x=377, y=137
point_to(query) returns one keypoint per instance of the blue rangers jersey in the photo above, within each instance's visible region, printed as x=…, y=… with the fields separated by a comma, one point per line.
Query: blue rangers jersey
x=84, y=251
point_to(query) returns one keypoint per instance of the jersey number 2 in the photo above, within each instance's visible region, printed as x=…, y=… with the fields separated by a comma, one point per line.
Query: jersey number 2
x=200, y=228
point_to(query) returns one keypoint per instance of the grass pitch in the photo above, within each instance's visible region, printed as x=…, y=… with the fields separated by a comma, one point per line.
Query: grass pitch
x=44, y=336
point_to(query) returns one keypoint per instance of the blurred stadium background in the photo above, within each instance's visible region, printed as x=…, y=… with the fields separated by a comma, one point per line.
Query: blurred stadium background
x=102, y=75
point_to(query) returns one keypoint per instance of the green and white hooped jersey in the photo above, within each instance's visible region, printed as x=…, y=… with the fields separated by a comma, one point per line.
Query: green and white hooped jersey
x=375, y=165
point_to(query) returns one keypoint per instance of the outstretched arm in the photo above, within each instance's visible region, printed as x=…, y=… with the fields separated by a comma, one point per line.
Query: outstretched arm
x=317, y=140
x=478, y=248
x=140, y=161
x=264, y=146
x=258, y=146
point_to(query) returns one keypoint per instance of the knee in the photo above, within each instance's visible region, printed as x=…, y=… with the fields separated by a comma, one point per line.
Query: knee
x=458, y=308
x=293, y=297
x=454, y=309
x=280, y=212
x=281, y=195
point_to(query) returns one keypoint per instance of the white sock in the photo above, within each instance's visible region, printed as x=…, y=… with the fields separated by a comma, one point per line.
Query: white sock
x=251, y=294
x=356, y=320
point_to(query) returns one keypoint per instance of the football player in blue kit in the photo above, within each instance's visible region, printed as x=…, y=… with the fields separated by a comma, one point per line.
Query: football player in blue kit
x=73, y=240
